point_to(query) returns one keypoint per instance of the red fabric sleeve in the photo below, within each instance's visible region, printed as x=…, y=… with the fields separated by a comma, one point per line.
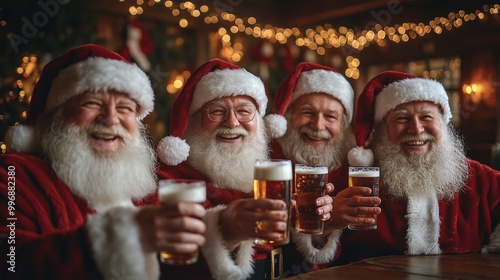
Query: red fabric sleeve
x=42, y=233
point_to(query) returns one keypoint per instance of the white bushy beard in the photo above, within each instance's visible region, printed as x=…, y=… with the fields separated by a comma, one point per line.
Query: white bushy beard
x=442, y=171
x=229, y=166
x=102, y=180
x=331, y=155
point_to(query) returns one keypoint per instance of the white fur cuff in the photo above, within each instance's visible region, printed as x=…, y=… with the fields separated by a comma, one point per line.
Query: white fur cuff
x=314, y=255
x=219, y=258
x=494, y=245
x=116, y=246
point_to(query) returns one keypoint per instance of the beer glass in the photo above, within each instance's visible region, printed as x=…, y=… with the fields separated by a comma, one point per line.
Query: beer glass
x=273, y=179
x=309, y=184
x=364, y=177
x=177, y=190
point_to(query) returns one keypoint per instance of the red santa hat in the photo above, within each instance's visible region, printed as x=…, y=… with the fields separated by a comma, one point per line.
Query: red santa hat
x=214, y=79
x=86, y=68
x=304, y=79
x=383, y=93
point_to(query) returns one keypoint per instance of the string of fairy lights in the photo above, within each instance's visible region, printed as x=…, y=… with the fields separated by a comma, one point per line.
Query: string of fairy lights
x=318, y=39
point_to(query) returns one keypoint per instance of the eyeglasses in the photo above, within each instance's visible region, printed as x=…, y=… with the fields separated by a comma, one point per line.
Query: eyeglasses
x=218, y=113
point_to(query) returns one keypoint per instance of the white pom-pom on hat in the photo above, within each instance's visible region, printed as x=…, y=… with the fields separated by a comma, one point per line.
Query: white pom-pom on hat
x=20, y=138
x=359, y=156
x=276, y=125
x=172, y=150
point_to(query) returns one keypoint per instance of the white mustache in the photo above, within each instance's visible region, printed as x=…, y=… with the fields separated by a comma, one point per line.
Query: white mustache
x=316, y=133
x=116, y=130
x=229, y=131
x=421, y=137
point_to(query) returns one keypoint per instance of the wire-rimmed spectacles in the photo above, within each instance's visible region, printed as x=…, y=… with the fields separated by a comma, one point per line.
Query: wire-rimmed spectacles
x=218, y=113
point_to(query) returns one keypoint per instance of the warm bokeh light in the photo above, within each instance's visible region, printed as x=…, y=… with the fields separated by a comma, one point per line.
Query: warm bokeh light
x=321, y=37
x=183, y=23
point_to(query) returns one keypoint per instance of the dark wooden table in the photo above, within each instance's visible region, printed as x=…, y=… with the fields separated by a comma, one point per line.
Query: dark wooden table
x=459, y=266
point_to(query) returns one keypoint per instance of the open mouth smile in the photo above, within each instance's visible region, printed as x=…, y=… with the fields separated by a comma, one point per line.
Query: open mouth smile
x=415, y=143
x=229, y=136
x=104, y=136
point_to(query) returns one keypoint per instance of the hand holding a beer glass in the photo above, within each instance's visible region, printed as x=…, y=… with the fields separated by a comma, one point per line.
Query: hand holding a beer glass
x=249, y=219
x=175, y=227
x=311, y=202
x=356, y=207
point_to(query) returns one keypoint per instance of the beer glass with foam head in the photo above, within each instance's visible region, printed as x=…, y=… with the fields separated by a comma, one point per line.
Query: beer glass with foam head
x=365, y=177
x=273, y=179
x=177, y=190
x=310, y=184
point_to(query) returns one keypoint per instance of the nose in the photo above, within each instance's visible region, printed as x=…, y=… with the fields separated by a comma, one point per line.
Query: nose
x=109, y=116
x=318, y=122
x=231, y=120
x=415, y=126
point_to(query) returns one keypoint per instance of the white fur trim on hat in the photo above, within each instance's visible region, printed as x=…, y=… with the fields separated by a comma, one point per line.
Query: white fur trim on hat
x=494, y=245
x=313, y=255
x=332, y=83
x=359, y=156
x=408, y=90
x=21, y=138
x=172, y=150
x=116, y=247
x=218, y=257
x=276, y=125
x=102, y=74
x=228, y=82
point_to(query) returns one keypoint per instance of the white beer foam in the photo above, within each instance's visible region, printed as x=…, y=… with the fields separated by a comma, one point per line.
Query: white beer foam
x=273, y=170
x=364, y=174
x=311, y=169
x=173, y=192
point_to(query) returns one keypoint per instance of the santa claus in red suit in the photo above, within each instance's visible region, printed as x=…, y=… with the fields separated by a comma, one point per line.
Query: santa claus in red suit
x=76, y=172
x=434, y=200
x=310, y=124
x=219, y=115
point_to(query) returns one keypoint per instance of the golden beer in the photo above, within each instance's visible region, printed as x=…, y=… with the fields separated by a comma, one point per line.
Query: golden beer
x=273, y=179
x=365, y=177
x=310, y=184
x=176, y=190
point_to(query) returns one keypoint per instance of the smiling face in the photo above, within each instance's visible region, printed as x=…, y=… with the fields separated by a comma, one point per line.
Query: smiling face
x=415, y=126
x=227, y=129
x=107, y=116
x=318, y=118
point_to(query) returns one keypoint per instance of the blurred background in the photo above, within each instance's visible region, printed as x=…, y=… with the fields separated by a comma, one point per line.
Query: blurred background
x=455, y=42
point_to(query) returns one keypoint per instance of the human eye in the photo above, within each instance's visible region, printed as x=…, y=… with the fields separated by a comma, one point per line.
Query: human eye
x=126, y=108
x=245, y=110
x=306, y=113
x=217, y=111
x=331, y=117
x=91, y=103
x=401, y=119
x=427, y=117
